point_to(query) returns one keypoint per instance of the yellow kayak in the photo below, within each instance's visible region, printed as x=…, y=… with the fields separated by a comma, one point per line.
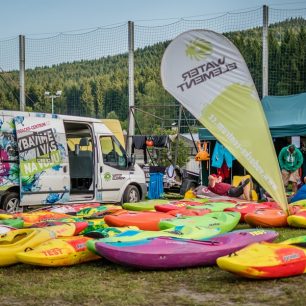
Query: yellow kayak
x=268, y=260
x=298, y=219
x=59, y=252
x=62, y=229
x=20, y=240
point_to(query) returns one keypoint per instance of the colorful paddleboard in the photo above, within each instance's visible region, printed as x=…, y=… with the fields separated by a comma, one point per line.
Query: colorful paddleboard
x=167, y=252
x=59, y=252
x=268, y=260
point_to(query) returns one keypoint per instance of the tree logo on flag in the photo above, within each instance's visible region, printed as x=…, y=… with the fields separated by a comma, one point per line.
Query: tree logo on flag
x=198, y=49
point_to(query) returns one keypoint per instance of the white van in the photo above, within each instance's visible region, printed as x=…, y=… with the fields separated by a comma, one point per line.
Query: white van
x=50, y=159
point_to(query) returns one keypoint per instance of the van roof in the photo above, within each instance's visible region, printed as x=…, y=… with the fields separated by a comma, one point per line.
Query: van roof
x=47, y=115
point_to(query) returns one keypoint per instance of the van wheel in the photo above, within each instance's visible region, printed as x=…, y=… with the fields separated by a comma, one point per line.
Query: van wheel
x=131, y=195
x=11, y=202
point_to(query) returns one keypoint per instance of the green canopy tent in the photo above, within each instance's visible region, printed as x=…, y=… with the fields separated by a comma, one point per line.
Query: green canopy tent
x=286, y=116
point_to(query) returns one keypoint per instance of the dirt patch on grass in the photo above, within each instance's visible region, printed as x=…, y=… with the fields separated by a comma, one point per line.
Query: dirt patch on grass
x=270, y=295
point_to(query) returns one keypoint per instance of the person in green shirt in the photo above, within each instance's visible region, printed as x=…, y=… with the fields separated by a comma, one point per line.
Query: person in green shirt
x=290, y=160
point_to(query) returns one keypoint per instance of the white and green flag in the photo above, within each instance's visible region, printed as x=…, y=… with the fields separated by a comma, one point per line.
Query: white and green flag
x=206, y=73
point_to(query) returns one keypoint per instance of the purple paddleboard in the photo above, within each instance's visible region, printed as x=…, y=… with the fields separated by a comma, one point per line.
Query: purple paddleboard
x=167, y=252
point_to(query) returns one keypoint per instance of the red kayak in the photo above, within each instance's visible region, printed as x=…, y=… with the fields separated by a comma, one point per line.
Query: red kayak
x=189, y=212
x=175, y=205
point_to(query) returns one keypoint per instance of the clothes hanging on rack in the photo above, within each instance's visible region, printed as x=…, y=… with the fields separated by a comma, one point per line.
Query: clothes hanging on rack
x=160, y=141
x=220, y=155
x=224, y=171
x=139, y=143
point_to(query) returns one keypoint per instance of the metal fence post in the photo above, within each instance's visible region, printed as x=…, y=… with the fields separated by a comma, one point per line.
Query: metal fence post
x=178, y=135
x=265, y=52
x=131, y=127
x=22, y=72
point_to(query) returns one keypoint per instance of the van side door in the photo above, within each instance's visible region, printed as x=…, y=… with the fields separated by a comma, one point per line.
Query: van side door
x=43, y=158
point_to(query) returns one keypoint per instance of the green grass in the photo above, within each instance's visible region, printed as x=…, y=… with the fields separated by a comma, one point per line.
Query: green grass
x=105, y=283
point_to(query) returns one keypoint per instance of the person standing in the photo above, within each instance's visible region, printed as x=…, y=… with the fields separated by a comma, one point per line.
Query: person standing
x=290, y=160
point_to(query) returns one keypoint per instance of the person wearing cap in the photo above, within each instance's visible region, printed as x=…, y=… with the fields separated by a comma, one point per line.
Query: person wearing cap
x=216, y=185
x=290, y=160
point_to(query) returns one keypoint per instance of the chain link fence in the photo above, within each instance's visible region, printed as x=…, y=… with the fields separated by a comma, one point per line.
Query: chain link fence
x=91, y=68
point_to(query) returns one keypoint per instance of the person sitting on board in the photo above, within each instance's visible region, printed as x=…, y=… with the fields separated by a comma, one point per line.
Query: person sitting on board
x=290, y=160
x=216, y=185
x=300, y=194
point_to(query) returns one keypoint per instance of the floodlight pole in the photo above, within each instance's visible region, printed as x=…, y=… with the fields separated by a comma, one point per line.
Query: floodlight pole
x=22, y=72
x=131, y=127
x=52, y=97
x=265, y=52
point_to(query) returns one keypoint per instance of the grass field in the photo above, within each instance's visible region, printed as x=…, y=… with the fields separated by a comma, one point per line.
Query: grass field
x=105, y=283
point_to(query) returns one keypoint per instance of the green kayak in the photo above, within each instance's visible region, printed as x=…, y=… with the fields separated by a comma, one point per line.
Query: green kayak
x=226, y=221
x=214, y=207
x=17, y=223
x=144, y=205
x=182, y=232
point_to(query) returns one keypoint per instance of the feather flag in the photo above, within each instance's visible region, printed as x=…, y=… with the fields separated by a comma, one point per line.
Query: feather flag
x=206, y=73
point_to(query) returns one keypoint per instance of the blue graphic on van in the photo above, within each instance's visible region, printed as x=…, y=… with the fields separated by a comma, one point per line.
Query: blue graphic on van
x=56, y=167
x=31, y=182
x=19, y=120
x=62, y=150
x=9, y=168
x=55, y=197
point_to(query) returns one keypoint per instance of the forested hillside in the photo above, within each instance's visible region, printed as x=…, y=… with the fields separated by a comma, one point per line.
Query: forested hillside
x=97, y=87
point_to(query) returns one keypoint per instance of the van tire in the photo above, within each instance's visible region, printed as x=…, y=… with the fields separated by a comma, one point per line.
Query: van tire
x=11, y=202
x=131, y=194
